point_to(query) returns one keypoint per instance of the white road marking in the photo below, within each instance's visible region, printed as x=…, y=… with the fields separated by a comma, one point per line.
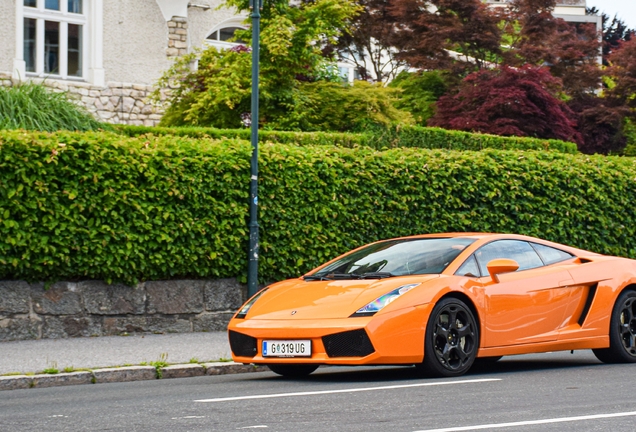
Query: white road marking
x=354, y=390
x=254, y=427
x=187, y=417
x=532, y=422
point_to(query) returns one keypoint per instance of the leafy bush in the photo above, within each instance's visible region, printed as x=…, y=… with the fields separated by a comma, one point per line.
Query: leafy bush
x=438, y=138
x=630, y=134
x=420, y=91
x=330, y=106
x=215, y=94
x=99, y=205
x=378, y=138
x=34, y=107
x=102, y=206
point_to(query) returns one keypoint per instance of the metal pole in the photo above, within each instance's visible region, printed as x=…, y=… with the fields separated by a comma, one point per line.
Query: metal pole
x=252, y=269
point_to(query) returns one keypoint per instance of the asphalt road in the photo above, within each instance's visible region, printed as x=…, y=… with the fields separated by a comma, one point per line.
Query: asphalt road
x=556, y=391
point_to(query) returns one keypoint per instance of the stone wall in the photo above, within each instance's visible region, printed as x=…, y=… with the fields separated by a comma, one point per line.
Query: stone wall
x=117, y=103
x=94, y=308
x=177, y=37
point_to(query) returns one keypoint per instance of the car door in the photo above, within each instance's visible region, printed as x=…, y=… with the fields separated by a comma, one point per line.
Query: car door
x=525, y=306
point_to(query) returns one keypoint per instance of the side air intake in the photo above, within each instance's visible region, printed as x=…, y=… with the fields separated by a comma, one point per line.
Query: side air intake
x=591, y=293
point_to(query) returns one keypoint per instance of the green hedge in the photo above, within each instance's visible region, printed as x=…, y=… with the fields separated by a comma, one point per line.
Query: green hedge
x=402, y=136
x=110, y=207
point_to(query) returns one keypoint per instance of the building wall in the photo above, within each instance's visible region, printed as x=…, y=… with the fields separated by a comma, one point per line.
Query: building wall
x=7, y=34
x=135, y=41
x=139, y=43
x=201, y=22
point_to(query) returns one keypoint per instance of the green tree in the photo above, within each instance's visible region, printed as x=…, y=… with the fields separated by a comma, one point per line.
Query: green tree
x=293, y=39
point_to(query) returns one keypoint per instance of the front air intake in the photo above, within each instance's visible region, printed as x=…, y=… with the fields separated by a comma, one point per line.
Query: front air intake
x=354, y=343
x=242, y=345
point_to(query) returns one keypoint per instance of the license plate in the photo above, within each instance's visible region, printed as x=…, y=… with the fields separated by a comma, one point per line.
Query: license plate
x=286, y=348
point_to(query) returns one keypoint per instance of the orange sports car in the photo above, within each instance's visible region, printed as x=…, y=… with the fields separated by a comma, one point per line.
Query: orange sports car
x=442, y=302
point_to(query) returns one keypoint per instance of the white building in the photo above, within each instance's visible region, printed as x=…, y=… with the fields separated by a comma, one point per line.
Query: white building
x=569, y=10
x=110, y=52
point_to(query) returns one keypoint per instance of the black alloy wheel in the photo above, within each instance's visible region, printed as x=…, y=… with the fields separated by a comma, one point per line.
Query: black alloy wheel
x=452, y=340
x=622, y=332
x=292, y=370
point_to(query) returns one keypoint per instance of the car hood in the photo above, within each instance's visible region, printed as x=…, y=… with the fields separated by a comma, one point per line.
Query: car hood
x=298, y=299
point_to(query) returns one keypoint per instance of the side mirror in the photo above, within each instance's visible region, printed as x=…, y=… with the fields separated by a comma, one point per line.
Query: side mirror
x=501, y=265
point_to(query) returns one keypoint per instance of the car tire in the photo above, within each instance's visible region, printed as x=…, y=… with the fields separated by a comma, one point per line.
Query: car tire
x=622, y=333
x=292, y=370
x=452, y=340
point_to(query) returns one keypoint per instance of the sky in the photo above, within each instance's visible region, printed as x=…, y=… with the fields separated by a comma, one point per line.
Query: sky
x=626, y=9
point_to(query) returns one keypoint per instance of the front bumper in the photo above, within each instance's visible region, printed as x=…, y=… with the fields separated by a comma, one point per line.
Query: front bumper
x=390, y=338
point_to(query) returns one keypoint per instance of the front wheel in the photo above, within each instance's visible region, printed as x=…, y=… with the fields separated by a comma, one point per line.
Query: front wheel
x=292, y=370
x=622, y=332
x=452, y=340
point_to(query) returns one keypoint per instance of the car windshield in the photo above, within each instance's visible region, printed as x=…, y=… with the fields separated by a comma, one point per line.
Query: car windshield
x=395, y=258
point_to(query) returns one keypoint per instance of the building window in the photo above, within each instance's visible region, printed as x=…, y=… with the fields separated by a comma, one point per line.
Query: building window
x=224, y=37
x=54, y=34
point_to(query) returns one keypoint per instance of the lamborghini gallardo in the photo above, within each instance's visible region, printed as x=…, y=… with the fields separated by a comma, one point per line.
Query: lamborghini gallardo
x=442, y=302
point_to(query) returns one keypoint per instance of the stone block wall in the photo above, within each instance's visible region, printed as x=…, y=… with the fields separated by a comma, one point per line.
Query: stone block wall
x=94, y=308
x=177, y=37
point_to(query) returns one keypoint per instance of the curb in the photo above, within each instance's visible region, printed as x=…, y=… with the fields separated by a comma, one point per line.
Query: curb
x=125, y=374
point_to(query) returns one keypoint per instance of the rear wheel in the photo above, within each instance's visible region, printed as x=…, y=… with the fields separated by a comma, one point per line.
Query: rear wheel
x=452, y=340
x=292, y=370
x=622, y=332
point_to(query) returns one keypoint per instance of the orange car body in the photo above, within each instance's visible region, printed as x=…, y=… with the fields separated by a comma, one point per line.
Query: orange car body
x=562, y=306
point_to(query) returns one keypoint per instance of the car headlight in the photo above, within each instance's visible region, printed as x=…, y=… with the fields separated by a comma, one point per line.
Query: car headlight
x=246, y=307
x=381, y=302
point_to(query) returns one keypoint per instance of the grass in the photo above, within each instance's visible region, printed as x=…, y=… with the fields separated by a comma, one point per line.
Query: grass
x=34, y=107
x=158, y=364
x=52, y=369
x=161, y=363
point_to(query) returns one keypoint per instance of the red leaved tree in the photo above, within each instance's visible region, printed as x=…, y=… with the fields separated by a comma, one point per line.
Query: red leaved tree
x=368, y=42
x=571, y=51
x=508, y=101
x=600, y=122
x=623, y=73
x=428, y=32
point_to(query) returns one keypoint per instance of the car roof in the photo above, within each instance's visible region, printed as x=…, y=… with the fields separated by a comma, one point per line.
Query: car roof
x=486, y=237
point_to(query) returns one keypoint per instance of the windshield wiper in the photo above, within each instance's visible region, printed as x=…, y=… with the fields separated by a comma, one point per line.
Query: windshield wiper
x=345, y=276
x=376, y=275
x=316, y=277
x=333, y=276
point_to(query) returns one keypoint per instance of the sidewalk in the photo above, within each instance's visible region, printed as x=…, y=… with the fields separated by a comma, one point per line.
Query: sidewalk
x=108, y=351
x=109, y=359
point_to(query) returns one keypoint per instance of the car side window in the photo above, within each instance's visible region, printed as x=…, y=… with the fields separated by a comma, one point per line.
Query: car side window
x=517, y=250
x=469, y=268
x=550, y=255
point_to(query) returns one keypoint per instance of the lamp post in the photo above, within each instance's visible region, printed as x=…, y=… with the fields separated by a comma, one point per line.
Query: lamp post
x=252, y=268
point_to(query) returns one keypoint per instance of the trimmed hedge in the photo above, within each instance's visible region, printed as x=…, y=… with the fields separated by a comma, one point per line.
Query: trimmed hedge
x=109, y=207
x=402, y=136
